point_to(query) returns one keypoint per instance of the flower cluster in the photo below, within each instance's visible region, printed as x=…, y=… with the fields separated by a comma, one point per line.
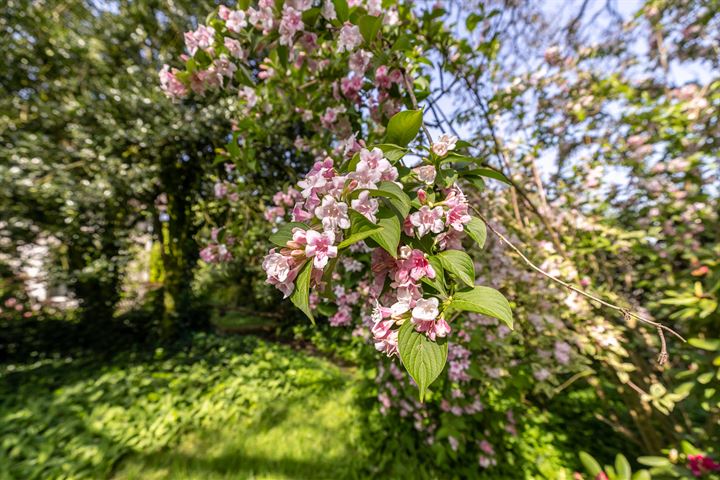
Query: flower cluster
x=324, y=203
x=217, y=251
x=700, y=464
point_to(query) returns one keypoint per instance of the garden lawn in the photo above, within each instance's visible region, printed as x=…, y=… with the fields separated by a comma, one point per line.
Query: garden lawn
x=233, y=407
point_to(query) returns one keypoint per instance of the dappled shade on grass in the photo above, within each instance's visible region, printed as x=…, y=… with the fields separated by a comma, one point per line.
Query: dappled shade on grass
x=76, y=418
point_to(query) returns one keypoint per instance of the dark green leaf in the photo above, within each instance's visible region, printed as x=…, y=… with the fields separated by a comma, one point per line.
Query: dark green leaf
x=342, y=10
x=360, y=229
x=397, y=197
x=369, y=26
x=487, y=172
x=423, y=359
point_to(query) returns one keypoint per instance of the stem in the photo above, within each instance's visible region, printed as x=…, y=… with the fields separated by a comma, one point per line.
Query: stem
x=663, y=356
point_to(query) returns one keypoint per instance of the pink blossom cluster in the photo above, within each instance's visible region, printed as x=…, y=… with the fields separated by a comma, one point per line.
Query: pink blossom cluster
x=226, y=45
x=700, y=464
x=217, y=251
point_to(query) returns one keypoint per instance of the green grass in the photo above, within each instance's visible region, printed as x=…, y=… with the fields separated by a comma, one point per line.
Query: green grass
x=232, y=407
x=315, y=437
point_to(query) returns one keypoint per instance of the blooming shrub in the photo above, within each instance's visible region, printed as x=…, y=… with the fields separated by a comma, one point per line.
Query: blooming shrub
x=411, y=221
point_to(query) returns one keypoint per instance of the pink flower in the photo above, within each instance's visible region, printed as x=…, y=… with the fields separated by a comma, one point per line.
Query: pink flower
x=290, y=24
x=224, y=12
x=202, y=39
x=450, y=240
x=328, y=10
x=457, y=217
x=349, y=38
x=341, y=318
x=444, y=144
x=382, y=80
x=700, y=464
x=299, y=214
x=262, y=18
x=412, y=266
x=428, y=220
x=425, y=317
x=170, y=84
x=320, y=246
x=425, y=173
x=224, y=66
x=366, y=205
x=333, y=214
x=235, y=21
x=426, y=310
x=281, y=270
x=235, y=48
x=351, y=87
x=365, y=176
x=360, y=61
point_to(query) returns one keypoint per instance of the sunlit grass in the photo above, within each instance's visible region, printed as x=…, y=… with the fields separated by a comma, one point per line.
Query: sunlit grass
x=312, y=438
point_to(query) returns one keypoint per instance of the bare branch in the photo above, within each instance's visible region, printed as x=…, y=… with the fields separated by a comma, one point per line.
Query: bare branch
x=663, y=356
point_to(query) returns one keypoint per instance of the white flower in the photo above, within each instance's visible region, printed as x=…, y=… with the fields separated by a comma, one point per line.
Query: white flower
x=426, y=309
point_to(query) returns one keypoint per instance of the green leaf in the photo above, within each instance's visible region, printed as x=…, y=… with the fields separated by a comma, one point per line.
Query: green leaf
x=284, y=233
x=360, y=229
x=397, y=197
x=309, y=17
x=342, y=10
x=642, y=475
x=705, y=344
x=438, y=283
x=486, y=172
x=369, y=26
x=591, y=465
x=485, y=300
x=477, y=230
x=423, y=359
x=622, y=467
x=301, y=295
x=654, y=461
x=389, y=237
x=392, y=152
x=460, y=264
x=403, y=127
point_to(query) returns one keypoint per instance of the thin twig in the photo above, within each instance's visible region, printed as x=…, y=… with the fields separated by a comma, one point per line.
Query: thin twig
x=626, y=313
x=573, y=379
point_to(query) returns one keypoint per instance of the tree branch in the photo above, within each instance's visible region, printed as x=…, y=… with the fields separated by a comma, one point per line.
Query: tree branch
x=627, y=314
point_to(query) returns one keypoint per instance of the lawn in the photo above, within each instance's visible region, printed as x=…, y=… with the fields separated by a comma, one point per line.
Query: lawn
x=219, y=407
